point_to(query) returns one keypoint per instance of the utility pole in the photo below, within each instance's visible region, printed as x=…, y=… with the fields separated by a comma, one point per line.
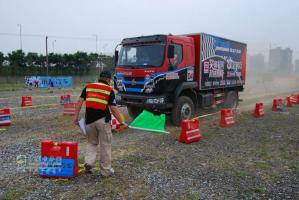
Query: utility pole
x=20, y=26
x=47, y=61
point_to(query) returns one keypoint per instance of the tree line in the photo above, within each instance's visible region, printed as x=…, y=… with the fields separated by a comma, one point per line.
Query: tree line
x=19, y=63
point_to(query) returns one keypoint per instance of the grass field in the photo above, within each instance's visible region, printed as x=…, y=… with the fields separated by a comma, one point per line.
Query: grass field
x=255, y=159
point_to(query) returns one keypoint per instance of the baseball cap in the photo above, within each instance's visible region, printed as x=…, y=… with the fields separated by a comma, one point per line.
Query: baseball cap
x=105, y=74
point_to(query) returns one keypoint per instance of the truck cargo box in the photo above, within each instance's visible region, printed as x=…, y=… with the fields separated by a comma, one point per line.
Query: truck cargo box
x=220, y=63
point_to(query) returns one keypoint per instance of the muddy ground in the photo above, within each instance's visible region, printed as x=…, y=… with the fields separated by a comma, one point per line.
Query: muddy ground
x=255, y=159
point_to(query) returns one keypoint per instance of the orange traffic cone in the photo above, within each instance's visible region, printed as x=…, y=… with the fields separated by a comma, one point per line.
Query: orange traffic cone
x=227, y=118
x=69, y=108
x=277, y=105
x=5, y=119
x=115, y=125
x=26, y=101
x=190, y=131
x=259, y=110
x=289, y=101
x=295, y=98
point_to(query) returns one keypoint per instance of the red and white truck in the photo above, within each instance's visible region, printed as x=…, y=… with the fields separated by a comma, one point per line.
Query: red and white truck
x=178, y=74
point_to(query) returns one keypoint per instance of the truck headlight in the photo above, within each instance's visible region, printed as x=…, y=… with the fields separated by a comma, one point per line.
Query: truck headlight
x=148, y=90
x=119, y=83
x=159, y=100
x=117, y=98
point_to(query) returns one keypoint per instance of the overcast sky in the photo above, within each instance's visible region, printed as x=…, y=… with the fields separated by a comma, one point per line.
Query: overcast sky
x=74, y=23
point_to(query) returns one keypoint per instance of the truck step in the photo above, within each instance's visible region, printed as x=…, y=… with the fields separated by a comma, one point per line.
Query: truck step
x=219, y=101
x=219, y=95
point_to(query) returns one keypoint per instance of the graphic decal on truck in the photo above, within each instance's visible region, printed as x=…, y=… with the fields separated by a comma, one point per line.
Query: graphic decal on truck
x=149, y=83
x=222, y=62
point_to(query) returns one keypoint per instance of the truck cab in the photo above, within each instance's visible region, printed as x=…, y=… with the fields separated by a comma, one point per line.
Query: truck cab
x=150, y=69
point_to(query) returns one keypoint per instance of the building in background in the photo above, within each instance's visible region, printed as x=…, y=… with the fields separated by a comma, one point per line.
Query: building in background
x=280, y=60
x=256, y=63
x=297, y=66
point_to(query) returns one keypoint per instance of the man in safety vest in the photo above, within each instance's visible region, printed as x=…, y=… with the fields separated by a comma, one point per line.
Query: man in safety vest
x=99, y=101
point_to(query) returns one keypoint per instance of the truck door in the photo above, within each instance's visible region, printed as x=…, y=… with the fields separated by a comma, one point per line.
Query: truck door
x=177, y=61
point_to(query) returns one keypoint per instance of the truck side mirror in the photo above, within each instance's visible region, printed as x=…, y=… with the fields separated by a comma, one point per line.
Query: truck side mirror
x=115, y=57
x=170, y=53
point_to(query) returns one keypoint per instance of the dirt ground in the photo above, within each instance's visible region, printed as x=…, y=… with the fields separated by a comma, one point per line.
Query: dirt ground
x=255, y=159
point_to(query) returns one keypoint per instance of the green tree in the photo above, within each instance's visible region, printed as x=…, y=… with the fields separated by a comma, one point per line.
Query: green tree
x=32, y=59
x=55, y=64
x=17, y=62
x=108, y=62
x=33, y=64
x=1, y=58
x=17, y=58
x=79, y=63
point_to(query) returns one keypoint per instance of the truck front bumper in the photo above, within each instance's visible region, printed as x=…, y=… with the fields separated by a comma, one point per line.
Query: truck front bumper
x=144, y=101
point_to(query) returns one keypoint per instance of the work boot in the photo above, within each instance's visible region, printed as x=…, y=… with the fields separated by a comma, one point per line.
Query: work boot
x=109, y=174
x=87, y=168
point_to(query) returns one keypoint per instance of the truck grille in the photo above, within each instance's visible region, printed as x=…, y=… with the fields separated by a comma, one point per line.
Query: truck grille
x=136, y=79
x=135, y=84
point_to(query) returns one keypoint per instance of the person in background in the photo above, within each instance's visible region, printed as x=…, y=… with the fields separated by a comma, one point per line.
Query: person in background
x=51, y=85
x=36, y=83
x=30, y=84
x=177, y=58
x=174, y=61
x=60, y=84
x=99, y=102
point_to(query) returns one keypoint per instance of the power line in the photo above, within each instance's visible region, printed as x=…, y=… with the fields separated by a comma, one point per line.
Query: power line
x=27, y=35
x=60, y=37
x=252, y=50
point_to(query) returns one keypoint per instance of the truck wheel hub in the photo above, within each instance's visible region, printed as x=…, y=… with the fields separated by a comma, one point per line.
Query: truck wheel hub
x=186, y=111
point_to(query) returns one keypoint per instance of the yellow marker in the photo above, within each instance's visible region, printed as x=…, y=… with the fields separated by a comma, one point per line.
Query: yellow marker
x=61, y=180
x=81, y=165
x=56, y=96
x=2, y=129
x=20, y=162
x=36, y=106
x=96, y=168
x=45, y=96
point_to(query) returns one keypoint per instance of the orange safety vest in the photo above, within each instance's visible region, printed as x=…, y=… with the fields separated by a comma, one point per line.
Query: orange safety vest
x=97, y=95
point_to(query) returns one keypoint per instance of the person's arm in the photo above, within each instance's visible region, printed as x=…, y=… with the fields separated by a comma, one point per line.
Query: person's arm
x=79, y=106
x=77, y=110
x=114, y=110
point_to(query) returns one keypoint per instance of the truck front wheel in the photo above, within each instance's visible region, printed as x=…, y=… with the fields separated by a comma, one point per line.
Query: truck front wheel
x=183, y=109
x=134, y=111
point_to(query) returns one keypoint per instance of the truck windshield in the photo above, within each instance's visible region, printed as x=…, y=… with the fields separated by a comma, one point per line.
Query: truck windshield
x=140, y=56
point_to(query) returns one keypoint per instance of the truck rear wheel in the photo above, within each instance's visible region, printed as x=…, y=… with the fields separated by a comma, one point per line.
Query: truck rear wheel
x=183, y=109
x=231, y=99
x=134, y=111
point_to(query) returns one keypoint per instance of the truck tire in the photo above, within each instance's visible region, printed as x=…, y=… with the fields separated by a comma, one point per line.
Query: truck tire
x=134, y=111
x=231, y=99
x=183, y=109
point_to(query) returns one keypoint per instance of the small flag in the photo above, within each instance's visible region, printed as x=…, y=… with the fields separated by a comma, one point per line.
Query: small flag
x=149, y=122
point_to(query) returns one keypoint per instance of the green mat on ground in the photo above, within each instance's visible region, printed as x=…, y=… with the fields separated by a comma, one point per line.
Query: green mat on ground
x=147, y=121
